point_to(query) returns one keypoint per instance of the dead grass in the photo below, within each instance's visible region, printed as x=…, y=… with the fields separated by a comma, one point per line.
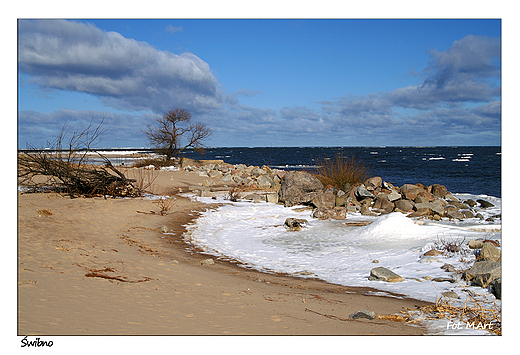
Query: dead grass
x=474, y=313
x=342, y=170
x=164, y=205
x=234, y=194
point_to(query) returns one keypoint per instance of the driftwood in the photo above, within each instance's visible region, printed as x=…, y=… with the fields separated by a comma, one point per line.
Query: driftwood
x=67, y=170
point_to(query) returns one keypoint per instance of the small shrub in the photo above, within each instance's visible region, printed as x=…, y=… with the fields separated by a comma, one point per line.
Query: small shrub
x=451, y=247
x=234, y=194
x=342, y=170
x=164, y=205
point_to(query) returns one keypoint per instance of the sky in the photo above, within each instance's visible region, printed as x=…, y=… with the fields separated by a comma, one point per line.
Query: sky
x=264, y=82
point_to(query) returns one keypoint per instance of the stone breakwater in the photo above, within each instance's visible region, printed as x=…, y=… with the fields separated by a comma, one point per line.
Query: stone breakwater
x=373, y=197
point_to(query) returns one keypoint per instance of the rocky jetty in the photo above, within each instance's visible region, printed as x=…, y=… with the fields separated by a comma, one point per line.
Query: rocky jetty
x=373, y=197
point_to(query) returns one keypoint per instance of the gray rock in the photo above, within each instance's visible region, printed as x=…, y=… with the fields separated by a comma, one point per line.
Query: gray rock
x=272, y=197
x=363, y=314
x=362, y=192
x=496, y=288
x=365, y=211
x=256, y=171
x=409, y=191
x=298, y=187
x=475, y=244
x=373, y=183
x=382, y=203
x=467, y=214
x=383, y=274
x=470, y=203
x=255, y=198
x=439, y=190
x=393, y=196
x=325, y=199
x=264, y=182
x=207, y=262
x=485, y=204
x=454, y=214
x=404, y=205
x=482, y=273
x=490, y=252
x=435, y=207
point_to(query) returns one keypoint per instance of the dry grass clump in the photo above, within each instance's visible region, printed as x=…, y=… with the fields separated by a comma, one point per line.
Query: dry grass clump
x=164, y=205
x=143, y=179
x=451, y=247
x=474, y=314
x=342, y=170
x=234, y=194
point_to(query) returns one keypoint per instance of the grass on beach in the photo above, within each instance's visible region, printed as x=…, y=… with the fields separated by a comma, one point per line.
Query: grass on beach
x=342, y=171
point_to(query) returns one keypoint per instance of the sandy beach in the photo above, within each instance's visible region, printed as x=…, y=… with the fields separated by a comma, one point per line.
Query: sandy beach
x=95, y=266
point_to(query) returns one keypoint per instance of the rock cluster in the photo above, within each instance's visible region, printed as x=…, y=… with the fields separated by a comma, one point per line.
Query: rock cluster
x=485, y=272
x=487, y=269
x=375, y=197
x=227, y=174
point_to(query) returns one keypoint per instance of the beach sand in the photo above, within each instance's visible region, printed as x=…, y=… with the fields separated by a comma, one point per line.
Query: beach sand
x=96, y=266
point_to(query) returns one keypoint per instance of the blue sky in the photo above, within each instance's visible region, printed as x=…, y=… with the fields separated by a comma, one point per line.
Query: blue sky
x=334, y=82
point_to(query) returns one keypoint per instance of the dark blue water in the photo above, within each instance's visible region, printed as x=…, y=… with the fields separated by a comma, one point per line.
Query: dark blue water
x=475, y=170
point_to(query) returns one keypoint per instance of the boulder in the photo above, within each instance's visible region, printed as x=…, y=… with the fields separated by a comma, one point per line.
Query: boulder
x=256, y=171
x=454, y=214
x=482, y=273
x=255, y=198
x=404, y=205
x=422, y=212
x=485, y=204
x=439, y=190
x=298, y=187
x=330, y=213
x=365, y=210
x=393, y=196
x=475, y=244
x=263, y=181
x=470, y=203
x=295, y=224
x=373, y=183
x=383, y=204
x=272, y=197
x=363, y=314
x=383, y=274
x=409, y=191
x=490, y=252
x=362, y=193
x=424, y=197
x=325, y=199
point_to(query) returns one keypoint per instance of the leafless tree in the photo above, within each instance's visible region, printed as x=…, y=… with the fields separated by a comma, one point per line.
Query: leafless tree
x=65, y=167
x=174, y=132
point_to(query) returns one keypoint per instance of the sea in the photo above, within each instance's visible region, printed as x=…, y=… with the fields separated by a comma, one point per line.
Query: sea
x=253, y=234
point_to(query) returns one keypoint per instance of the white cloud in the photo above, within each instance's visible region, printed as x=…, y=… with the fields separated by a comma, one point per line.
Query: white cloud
x=125, y=73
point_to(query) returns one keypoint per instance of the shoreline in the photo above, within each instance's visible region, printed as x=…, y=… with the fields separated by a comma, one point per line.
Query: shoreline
x=141, y=283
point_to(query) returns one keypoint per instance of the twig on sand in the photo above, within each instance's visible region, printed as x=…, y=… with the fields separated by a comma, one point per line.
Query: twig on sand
x=331, y=316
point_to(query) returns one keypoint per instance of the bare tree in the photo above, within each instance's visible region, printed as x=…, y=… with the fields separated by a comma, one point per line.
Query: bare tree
x=174, y=132
x=64, y=167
